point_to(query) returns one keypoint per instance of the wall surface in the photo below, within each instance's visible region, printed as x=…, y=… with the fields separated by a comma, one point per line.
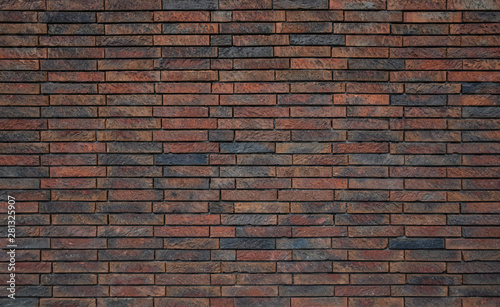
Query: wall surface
x=251, y=152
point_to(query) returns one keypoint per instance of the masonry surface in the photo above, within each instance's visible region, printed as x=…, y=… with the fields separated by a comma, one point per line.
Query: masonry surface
x=248, y=153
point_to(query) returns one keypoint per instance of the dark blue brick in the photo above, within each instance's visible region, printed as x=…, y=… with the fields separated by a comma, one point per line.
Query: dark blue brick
x=182, y=159
x=406, y=243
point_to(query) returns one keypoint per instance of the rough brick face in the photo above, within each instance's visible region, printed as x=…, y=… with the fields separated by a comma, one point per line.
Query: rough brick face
x=251, y=152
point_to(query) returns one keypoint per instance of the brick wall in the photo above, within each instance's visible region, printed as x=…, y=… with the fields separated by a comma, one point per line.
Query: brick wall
x=251, y=152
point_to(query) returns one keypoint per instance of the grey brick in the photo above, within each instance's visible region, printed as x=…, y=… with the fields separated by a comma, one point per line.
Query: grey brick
x=69, y=279
x=245, y=52
x=419, y=29
x=248, y=219
x=70, y=65
x=33, y=243
x=66, y=17
x=19, y=171
x=432, y=301
x=375, y=136
x=270, y=159
x=246, y=147
x=362, y=195
x=379, y=64
x=418, y=100
x=247, y=171
x=120, y=159
x=480, y=88
x=300, y=4
x=303, y=148
x=306, y=290
x=302, y=243
x=247, y=28
x=220, y=136
x=190, y=4
x=134, y=147
x=482, y=279
x=481, y=112
x=406, y=243
x=317, y=39
x=432, y=160
x=318, y=136
x=191, y=243
x=19, y=136
x=69, y=111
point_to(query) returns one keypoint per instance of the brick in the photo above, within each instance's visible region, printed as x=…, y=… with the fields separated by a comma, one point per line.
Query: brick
x=374, y=40
x=373, y=301
x=248, y=100
x=361, y=28
x=259, y=15
x=410, y=5
x=300, y=51
x=260, y=63
x=361, y=290
x=422, y=301
x=243, y=151
x=417, y=290
x=306, y=290
x=319, y=39
x=417, y=196
x=357, y=5
x=380, y=16
x=311, y=27
x=317, y=87
x=480, y=5
x=118, y=40
x=416, y=53
x=246, y=76
x=428, y=255
x=301, y=219
x=357, y=52
x=480, y=64
x=260, y=40
x=245, y=52
x=302, y=75
x=196, y=302
x=129, y=5
x=432, y=184
x=416, y=243
x=472, y=76
x=318, y=63
x=431, y=112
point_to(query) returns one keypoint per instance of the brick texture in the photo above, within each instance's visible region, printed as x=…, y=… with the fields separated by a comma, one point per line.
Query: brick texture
x=251, y=152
